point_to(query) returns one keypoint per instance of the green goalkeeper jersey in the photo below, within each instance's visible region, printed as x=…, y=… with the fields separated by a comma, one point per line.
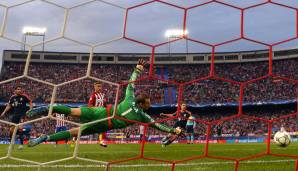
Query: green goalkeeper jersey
x=128, y=110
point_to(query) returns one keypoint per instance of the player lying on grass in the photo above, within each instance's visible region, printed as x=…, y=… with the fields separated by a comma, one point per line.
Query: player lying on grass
x=131, y=108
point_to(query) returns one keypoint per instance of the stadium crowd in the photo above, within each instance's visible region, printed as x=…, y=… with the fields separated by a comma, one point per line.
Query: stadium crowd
x=207, y=91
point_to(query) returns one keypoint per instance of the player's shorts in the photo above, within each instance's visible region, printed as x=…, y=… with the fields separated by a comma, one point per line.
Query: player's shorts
x=89, y=114
x=189, y=129
x=60, y=128
x=16, y=118
x=181, y=124
x=24, y=132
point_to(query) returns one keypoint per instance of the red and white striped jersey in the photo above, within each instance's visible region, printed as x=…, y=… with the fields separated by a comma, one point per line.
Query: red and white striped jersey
x=96, y=100
x=60, y=123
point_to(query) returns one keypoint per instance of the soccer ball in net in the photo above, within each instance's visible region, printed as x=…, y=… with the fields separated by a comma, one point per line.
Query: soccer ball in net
x=282, y=139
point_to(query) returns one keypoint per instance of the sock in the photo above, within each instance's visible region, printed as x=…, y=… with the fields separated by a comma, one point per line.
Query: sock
x=191, y=137
x=59, y=136
x=104, y=135
x=188, y=138
x=62, y=109
x=100, y=137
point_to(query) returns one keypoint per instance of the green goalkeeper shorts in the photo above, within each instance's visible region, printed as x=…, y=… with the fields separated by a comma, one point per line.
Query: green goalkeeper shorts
x=89, y=114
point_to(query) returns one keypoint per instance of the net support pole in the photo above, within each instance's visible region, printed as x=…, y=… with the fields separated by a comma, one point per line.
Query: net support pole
x=269, y=137
x=143, y=141
x=173, y=167
x=236, y=165
x=207, y=140
x=107, y=167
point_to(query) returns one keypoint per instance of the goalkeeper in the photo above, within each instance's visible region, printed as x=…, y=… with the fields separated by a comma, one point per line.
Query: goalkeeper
x=131, y=108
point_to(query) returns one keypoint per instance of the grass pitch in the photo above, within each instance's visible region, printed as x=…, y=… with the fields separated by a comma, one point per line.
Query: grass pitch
x=46, y=153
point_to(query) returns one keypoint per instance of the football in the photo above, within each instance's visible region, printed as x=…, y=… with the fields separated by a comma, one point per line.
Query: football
x=282, y=138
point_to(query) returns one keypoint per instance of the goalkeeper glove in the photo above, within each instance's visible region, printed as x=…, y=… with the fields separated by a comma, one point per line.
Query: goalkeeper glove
x=141, y=64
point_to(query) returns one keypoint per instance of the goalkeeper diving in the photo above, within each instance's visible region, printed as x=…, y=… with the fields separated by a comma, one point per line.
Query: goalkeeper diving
x=131, y=108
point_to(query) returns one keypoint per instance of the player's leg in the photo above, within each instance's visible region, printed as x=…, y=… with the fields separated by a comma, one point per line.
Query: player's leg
x=54, y=137
x=17, y=119
x=183, y=125
x=73, y=140
x=66, y=140
x=176, y=125
x=63, y=135
x=101, y=139
x=11, y=129
x=192, y=132
x=188, y=134
x=56, y=109
x=188, y=138
x=56, y=131
x=168, y=139
x=86, y=115
x=21, y=136
x=141, y=137
x=192, y=138
x=92, y=114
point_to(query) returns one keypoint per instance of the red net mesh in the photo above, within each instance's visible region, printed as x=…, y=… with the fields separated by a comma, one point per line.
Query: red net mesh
x=212, y=75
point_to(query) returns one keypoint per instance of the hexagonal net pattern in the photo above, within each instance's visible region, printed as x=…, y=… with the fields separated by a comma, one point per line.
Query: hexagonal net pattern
x=152, y=76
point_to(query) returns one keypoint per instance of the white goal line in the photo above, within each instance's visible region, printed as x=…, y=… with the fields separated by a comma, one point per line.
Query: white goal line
x=141, y=165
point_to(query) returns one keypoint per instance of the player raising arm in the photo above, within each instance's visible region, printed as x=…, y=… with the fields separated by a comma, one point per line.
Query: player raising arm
x=17, y=106
x=131, y=108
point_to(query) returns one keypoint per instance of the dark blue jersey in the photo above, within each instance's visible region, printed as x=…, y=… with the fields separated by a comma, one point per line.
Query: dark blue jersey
x=184, y=115
x=25, y=128
x=19, y=104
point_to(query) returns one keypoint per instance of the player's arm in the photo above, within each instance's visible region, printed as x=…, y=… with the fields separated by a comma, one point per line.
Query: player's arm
x=130, y=87
x=28, y=100
x=194, y=122
x=189, y=112
x=161, y=127
x=91, y=101
x=7, y=108
x=168, y=115
x=30, y=104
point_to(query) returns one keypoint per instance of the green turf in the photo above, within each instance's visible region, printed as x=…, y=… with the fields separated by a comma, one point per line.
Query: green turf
x=45, y=153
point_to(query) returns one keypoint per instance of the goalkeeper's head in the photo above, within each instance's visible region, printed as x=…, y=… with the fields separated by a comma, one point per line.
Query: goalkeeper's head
x=143, y=101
